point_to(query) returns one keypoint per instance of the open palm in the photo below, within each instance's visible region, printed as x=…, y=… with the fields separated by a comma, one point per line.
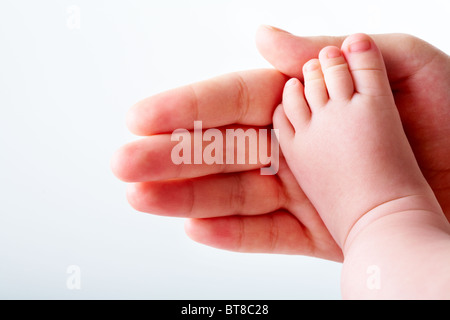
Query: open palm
x=233, y=207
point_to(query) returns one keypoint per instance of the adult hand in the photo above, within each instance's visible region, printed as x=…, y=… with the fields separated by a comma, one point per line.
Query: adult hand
x=234, y=207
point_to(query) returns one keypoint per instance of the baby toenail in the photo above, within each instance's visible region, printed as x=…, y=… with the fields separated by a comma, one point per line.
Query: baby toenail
x=333, y=53
x=311, y=66
x=359, y=46
x=291, y=82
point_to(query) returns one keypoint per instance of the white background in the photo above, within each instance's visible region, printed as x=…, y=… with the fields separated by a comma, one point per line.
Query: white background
x=63, y=98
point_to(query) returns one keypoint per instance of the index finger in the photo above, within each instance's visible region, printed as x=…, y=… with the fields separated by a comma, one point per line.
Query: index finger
x=246, y=97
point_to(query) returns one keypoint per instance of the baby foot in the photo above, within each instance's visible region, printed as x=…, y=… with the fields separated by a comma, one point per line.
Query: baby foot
x=345, y=143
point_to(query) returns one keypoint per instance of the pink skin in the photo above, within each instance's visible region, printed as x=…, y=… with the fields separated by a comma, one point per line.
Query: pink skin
x=285, y=222
x=345, y=143
x=343, y=139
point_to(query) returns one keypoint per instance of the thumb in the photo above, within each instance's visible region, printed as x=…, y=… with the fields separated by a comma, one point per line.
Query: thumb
x=287, y=52
x=403, y=54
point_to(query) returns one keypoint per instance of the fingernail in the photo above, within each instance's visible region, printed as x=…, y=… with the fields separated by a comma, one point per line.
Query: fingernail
x=275, y=28
x=359, y=46
x=311, y=66
x=291, y=82
x=333, y=53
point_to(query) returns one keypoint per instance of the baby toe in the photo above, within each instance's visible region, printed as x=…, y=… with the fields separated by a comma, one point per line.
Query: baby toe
x=336, y=74
x=294, y=103
x=315, y=87
x=366, y=65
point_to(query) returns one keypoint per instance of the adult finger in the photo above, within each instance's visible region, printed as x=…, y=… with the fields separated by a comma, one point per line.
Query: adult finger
x=247, y=193
x=190, y=154
x=277, y=232
x=247, y=97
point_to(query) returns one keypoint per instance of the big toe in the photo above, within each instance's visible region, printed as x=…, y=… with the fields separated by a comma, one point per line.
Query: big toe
x=366, y=65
